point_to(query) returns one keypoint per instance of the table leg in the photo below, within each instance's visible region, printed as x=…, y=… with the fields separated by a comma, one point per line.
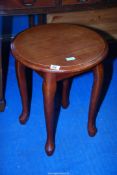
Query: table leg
x=2, y=101
x=31, y=20
x=96, y=91
x=65, y=93
x=49, y=90
x=21, y=77
x=6, y=30
x=42, y=19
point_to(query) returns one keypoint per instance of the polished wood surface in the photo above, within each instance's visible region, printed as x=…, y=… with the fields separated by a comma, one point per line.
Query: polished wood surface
x=41, y=47
x=46, y=49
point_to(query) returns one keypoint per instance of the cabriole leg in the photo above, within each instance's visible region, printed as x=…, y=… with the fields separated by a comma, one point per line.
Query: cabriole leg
x=49, y=90
x=65, y=93
x=21, y=77
x=96, y=91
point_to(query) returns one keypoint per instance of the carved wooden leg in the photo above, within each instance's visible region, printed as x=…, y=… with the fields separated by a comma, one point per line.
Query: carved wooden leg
x=96, y=90
x=21, y=77
x=65, y=93
x=49, y=90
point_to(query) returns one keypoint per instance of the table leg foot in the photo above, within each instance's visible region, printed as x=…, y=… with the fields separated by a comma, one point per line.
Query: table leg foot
x=49, y=148
x=94, y=101
x=49, y=90
x=2, y=105
x=23, y=118
x=21, y=77
x=92, y=131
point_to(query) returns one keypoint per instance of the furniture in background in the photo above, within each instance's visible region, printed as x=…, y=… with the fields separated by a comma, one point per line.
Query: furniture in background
x=17, y=7
x=102, y=20
x=73, y=50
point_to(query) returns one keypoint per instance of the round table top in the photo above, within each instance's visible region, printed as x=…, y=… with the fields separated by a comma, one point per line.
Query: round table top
x=59, y=48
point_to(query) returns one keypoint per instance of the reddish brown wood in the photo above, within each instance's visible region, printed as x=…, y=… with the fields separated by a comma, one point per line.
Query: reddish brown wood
x=96, y=91
x=91, y=50
x=50, y=45
x=17, y=7
x=20, y=70
x=65, y=93
x=30, y=7
x=49, y=90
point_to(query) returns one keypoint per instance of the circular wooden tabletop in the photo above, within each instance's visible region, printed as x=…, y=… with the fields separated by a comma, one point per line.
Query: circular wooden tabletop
x=59, y=48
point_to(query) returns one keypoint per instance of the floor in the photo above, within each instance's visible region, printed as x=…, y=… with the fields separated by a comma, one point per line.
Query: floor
x=22, y=146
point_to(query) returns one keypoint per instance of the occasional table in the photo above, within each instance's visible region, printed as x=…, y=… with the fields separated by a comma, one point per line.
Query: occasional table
x=58, y=52
x=10, y=8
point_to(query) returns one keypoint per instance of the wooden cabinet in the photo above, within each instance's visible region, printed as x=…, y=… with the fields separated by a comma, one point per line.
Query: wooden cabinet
x=27, y=7
x=68, y=2
x=39, y=3
x=46, y=3
x=15, y=5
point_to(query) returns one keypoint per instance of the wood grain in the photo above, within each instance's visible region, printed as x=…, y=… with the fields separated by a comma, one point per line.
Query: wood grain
x=40, y=47
x=104, y=20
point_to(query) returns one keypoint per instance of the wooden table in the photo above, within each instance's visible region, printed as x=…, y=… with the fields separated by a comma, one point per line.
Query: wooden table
x=16, y=7
x=58, y=52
